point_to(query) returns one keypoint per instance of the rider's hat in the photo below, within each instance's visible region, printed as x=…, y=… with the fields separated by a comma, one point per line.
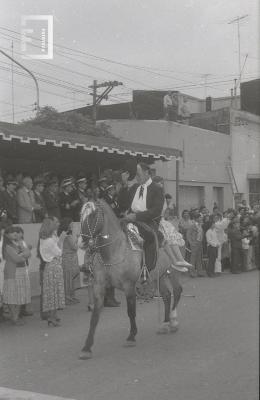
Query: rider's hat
x=130, y=167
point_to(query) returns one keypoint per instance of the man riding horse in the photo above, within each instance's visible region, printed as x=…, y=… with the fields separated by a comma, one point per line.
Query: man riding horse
x=118, y=265
x=142, y=204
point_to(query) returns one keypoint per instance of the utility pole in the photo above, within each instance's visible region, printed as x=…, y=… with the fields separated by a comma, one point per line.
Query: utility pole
x=30, y=73
x=12, y=70
x=98, y=98
x=237, y=21
x=94, y=114
x=205, y=76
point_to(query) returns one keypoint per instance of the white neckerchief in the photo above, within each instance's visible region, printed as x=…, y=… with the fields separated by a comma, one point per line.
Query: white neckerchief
x=139, y=203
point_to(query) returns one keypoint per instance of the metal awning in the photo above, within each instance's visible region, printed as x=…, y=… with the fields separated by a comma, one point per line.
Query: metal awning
x=64, y=139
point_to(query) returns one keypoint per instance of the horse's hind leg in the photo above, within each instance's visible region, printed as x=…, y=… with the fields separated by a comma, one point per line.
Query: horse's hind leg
x=131, y=311
x=99, y=291
x=177, y=290
x=166, y=296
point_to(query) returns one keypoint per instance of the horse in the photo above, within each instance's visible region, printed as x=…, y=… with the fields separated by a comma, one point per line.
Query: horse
x=116, y=264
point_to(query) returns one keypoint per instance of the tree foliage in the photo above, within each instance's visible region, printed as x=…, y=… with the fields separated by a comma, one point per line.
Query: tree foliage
x=71, y=121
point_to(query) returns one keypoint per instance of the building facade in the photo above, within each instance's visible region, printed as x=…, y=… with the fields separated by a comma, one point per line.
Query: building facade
x=204, y=179
x=245, y=153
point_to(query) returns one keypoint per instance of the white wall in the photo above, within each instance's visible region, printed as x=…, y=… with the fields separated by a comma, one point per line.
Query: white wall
x=245, y=154
x=206, y=153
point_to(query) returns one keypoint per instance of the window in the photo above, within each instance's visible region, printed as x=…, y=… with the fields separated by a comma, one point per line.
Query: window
x=254, y=191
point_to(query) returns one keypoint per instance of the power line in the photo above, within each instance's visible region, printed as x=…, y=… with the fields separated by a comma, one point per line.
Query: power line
x=18, y=112
x=142, y=68
x=83, y=53
x=79, y=52
x=48, y=82
x=76, y=86
x=17, y=105
x=42, y=90
x=91, y=66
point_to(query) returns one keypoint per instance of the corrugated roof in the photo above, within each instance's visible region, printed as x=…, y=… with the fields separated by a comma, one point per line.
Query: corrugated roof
x=57, y=138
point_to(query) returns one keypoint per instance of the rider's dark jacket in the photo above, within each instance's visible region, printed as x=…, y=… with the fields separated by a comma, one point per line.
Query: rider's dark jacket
x=154, y=202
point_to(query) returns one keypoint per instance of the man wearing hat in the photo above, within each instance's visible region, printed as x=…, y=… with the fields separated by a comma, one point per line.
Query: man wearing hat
x=67, y=202
x=40, y=213
x=102, y=184
x=143, y=204
x=10, y=203
x=51, y=198
x=26, y=202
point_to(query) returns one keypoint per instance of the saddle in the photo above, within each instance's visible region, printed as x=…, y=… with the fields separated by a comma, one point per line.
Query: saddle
x=143, y=236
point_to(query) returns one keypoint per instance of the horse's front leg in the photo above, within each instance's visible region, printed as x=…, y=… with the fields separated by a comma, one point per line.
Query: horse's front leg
x=131, y=311
x=99, y=292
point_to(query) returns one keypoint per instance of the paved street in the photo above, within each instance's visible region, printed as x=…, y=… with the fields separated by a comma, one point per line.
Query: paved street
x=213, y=356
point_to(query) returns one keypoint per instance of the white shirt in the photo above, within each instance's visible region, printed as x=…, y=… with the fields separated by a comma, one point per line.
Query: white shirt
x=212, y=238
x=49, y=248
x=139, y=203
x=167, y=101
x=220, y=227
x=245, y=243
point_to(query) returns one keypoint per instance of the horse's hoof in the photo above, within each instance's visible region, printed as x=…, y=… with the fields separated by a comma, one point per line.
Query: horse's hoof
x=174, y=326
x=129, y=343
x=85, y=355
x=163, y=329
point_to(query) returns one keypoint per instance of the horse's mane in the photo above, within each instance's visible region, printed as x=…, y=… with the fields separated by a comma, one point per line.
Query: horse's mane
x=110, y=213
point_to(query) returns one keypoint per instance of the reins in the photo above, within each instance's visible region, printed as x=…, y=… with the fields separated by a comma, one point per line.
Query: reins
x=95, y=248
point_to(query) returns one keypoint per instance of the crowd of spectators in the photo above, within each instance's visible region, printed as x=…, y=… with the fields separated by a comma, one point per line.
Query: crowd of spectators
x=207, y=243
x=24, y=199
x=216, y=242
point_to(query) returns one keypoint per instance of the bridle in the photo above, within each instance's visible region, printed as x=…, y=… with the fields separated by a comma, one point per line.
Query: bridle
x=93, y=237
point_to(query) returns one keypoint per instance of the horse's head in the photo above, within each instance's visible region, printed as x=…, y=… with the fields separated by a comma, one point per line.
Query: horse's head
x=92, y=222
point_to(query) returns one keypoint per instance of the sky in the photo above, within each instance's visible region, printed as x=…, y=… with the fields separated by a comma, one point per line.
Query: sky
x=185, y=45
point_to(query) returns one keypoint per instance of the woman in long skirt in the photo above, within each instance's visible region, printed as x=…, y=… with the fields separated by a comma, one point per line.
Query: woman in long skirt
x=70, y=263
x=53, y=284
x=16, y=288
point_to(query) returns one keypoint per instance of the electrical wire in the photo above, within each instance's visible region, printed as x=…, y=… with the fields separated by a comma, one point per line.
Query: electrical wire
x=104, y=59
x=194, y=85
x=42, y=90
x=16, y=71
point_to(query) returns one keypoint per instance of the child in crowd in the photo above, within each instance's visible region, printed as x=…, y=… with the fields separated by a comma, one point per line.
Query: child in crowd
x=16, y=289
x=70, y=264
x=24, y=311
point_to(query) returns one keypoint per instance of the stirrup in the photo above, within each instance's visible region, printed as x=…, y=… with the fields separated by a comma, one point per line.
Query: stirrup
x=145, y=288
